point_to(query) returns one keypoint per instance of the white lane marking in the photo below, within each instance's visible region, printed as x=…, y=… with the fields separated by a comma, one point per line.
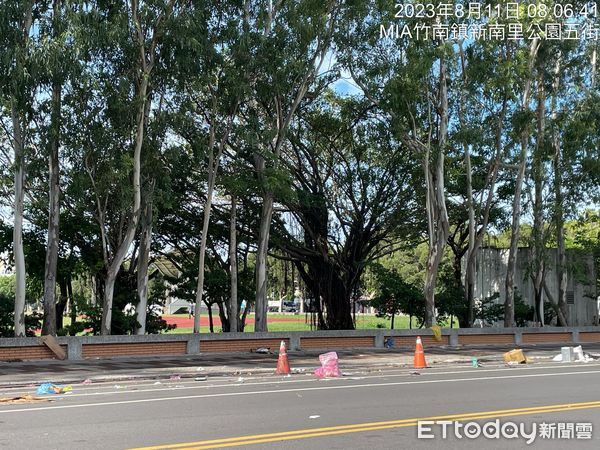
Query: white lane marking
x=180, y=386
x=280, y=391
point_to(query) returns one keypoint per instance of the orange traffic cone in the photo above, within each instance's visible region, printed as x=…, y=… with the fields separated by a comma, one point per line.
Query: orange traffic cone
x=283, y=367
x=419, y=355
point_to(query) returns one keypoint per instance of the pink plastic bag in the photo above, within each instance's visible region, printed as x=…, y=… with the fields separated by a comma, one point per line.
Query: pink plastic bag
x=329, y=366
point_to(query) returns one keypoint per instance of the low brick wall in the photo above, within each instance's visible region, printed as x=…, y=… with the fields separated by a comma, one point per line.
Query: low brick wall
x=546, y=338
x=589, y=336
x=486, y=339
x=240, y=345
x=81, y=347
x=26, y=352
x=133, y=349
x=409, y=341
x=307, y=343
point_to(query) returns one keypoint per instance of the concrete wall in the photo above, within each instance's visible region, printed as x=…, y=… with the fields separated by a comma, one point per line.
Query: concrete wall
x=581, y=280
x=82, y=347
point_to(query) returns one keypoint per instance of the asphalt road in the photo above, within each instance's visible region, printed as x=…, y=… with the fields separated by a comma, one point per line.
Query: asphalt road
x=362, y=410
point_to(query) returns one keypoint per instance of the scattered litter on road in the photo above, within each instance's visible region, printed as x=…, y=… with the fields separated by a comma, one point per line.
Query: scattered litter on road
x=299, y=395
x=475, y=363
x=313, y=417
x=199, y=369
x=22, y=399
x=329, y=366
x=572, y=354
x=87, y=381
x=241, y=380
x=158, y=382
x=49, y=388
x=302, y=370
x=175, y=377
x=515, y=355
x=581, y=356
x=415, y=373
x=263, y=350
x=118, y=386
x=200, y=378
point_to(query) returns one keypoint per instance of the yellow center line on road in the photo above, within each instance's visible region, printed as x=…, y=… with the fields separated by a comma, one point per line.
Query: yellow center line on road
x=368, y=426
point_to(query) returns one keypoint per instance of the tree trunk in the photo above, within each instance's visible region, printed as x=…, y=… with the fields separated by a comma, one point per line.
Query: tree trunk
x=260, y=306
x=561, y=257
x=470, y=266
x=225, y=323
x=437, y=215
x=538, y=233
x=50, y=316
x=115, y=265
x=233, y=270
x=144, y=260
x=203, y=240
x=19, y=129
x=210, y=317
x=19, y=254
x=509, y=285
x=72, y=303
x=336, y=293
x=62, y=302
x=109, y=288
x=562, y=320
x=470, y=269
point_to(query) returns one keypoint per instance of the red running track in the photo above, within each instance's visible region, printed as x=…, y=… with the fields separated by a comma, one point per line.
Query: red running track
x=185, y=322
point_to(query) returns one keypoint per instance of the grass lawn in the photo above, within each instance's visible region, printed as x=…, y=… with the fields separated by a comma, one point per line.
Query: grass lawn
x=302, y=323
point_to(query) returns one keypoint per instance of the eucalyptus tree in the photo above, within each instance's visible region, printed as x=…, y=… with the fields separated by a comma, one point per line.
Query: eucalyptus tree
x=18, y=81
x=211, y=53
x=57, y=51
x=484, y=103
x=119, y=44
x=528, y=56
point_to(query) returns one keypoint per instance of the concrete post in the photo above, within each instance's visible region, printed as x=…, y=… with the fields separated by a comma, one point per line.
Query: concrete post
x=193, y=344
x=453, y=337
x=74, y=350
x=518, y=337
x=575, y=336
x=380, y=339
x=294, y=342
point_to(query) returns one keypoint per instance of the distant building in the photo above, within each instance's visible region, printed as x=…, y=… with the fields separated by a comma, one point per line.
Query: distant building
x=582, y=298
